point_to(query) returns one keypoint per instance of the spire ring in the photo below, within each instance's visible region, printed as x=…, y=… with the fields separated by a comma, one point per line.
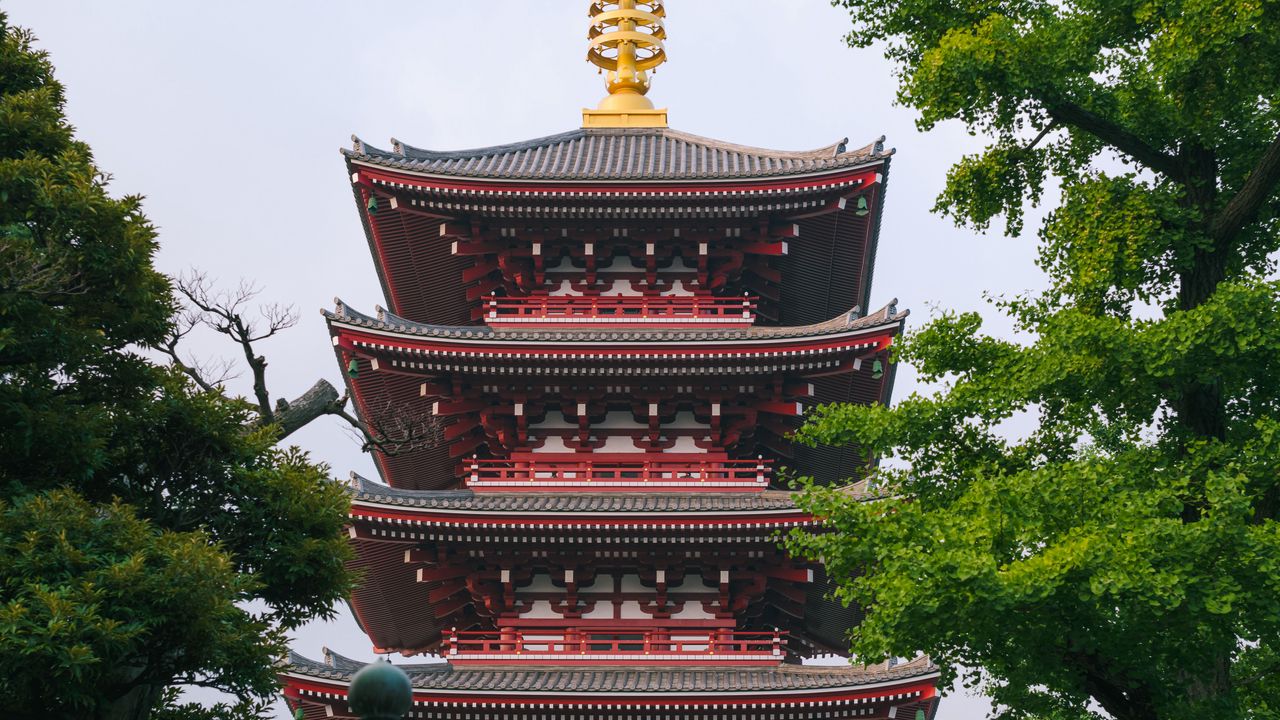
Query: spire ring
x=626, y=40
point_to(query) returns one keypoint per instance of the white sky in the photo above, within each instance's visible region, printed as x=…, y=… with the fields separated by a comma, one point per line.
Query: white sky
x=228, y=117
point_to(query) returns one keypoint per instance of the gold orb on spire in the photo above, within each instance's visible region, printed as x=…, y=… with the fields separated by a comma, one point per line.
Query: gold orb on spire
x=626, y=42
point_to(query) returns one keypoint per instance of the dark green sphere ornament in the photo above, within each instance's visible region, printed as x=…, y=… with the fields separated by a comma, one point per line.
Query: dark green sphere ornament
x=380, y=691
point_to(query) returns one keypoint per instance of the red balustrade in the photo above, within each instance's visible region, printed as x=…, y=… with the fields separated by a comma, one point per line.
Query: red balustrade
x=715, y=476
x=621, y=309
x=621, y=646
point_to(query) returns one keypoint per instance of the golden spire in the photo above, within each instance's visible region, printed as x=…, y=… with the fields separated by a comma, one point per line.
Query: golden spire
x=626, y=43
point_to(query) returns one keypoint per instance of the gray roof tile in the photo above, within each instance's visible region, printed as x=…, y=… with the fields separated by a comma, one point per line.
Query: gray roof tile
x=841, y=323
x=368, y=490
x=442, y=676
x=618, y=154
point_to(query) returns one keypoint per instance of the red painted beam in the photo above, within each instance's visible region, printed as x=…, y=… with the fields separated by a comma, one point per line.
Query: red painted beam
x=444, y=572
x=792, y=574
x=487, y=247
x=455, y=229
x=465, y=446
x=765, y=248
x=798, y=389
x=483, y=288
x=445, y=591
x=463, y=426
x=784, y=230
x=457, y=407
x=427, y=389
x=478, y=271
x=450, y=606
x=420, y=555
x=779, y=407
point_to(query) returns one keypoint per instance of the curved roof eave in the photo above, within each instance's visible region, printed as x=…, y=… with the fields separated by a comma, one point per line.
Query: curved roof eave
x=571, y=504
x=619, y=156
x=888, y=318
x=527, y=681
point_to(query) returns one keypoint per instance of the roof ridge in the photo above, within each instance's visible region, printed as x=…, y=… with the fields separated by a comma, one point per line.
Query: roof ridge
x=411, y=151
x=826, y=151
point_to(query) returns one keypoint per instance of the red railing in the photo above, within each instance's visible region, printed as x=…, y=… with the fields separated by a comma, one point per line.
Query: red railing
x=621, y=309
x=717, y=475
x=620, y=646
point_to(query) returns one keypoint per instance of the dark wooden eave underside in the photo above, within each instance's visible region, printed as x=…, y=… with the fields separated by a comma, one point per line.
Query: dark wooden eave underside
x=829, y=266
x=401, y=348
x=396, y=610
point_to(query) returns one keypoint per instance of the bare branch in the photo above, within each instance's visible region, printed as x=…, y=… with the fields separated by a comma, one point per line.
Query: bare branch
x=210, y=376
x=226, y=313
x=394, y=429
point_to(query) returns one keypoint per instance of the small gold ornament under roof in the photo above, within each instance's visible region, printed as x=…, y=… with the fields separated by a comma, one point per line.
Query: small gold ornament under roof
x=626, y=43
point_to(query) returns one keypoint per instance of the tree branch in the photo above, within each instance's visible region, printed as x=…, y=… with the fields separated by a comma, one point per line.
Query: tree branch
x=321, y=399
x=397, y=430
x=1048, y=128
x=1243, y=208
x=1116, y=136
x=224, y=312
x=207, y=379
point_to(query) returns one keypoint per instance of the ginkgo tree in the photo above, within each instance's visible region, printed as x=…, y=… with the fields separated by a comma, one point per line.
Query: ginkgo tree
x=1122, y=557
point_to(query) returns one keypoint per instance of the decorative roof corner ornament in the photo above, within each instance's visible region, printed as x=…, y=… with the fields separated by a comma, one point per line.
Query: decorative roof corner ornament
x=854, y=313
x=626, y=43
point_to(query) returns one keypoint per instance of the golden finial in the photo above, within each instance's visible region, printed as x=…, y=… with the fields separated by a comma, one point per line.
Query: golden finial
x=626, y=43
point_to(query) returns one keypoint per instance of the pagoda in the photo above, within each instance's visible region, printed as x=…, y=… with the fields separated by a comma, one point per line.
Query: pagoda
x=596, y=347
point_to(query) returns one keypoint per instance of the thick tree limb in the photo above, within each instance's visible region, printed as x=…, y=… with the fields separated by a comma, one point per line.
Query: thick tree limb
x=408, y=432
x=1120, y=700
x=1243, y=208
x=322, y=399
x=1116, y=136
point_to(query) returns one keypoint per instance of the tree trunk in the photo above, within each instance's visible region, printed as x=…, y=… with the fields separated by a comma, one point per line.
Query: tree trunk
x=133, y=705
x=321, y=399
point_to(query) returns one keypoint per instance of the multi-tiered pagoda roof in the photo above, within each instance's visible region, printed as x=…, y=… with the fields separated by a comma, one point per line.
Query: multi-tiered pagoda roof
x=596, y=348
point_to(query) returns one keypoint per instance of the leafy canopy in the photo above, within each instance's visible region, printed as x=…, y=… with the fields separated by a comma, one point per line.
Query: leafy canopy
x=140, y=516
x=1125, y=553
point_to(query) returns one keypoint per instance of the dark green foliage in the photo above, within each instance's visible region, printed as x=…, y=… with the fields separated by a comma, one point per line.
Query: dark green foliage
x=1125, y=551
x=90, y=596
x=139, y=515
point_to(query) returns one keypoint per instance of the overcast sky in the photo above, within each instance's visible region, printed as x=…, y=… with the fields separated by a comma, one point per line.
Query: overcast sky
x=228, y=117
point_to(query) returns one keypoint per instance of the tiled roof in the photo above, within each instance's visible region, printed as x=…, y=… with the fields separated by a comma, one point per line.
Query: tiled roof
x=706, y=679
x=368, y=490
x=619, y=155
x=844, y=322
